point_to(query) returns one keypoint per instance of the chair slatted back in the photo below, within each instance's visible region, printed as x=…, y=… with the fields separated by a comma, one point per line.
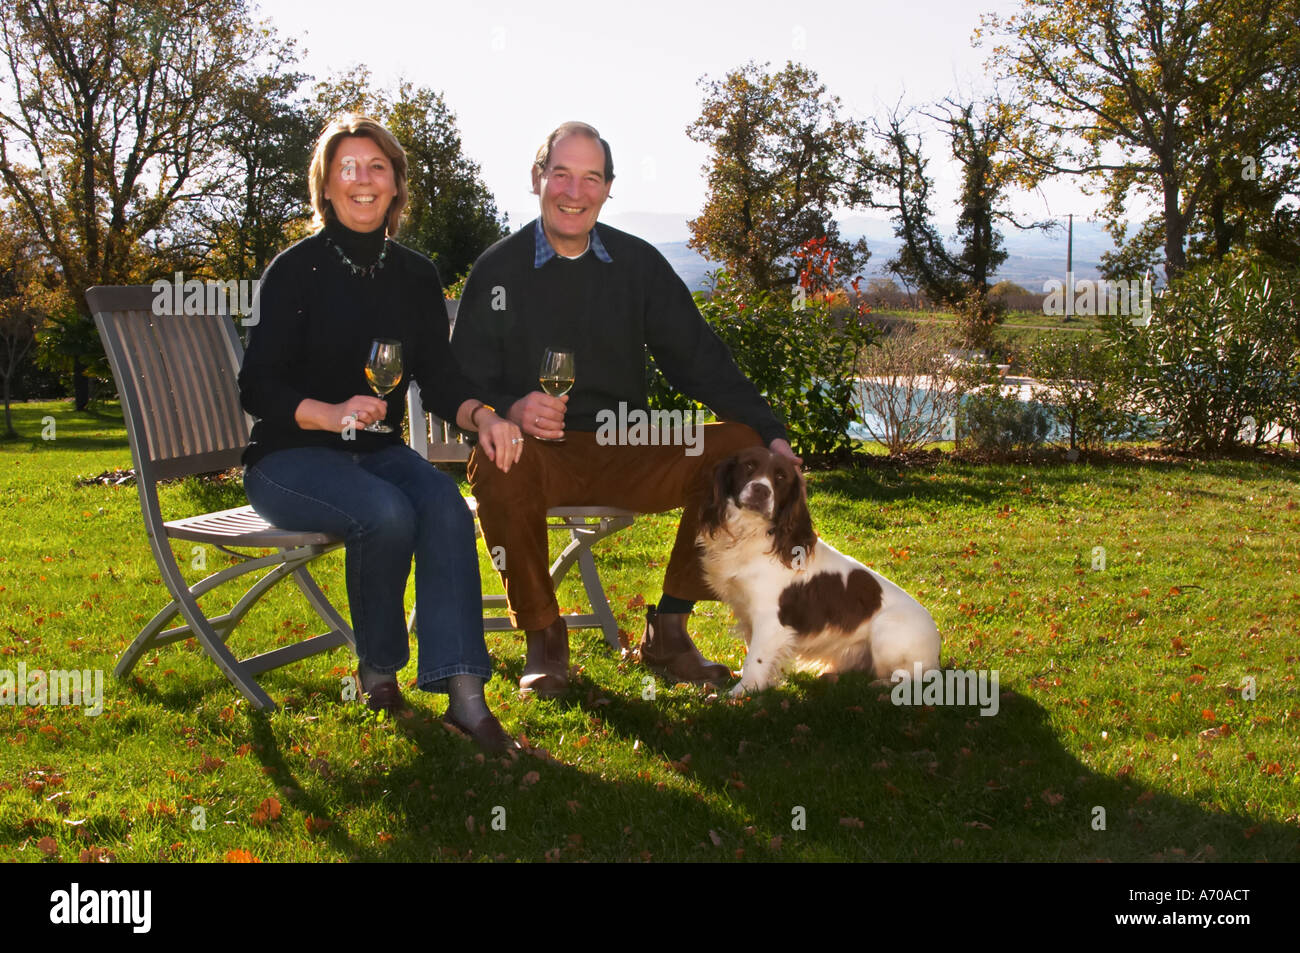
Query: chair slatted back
x=431, y=437
x=177, y=376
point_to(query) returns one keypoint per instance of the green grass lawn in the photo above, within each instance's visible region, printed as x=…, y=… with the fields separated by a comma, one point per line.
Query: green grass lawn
x=1017, y=335
x=1121, y=690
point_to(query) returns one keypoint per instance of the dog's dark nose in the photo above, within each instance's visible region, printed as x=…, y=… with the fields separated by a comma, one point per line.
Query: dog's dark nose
x=755, y=494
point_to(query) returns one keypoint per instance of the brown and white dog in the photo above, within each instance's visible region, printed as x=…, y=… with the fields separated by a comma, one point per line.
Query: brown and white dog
x=796, y=598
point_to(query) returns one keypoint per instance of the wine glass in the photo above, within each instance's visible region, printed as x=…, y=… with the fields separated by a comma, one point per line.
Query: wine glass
x=556, y=377
x=384, y=372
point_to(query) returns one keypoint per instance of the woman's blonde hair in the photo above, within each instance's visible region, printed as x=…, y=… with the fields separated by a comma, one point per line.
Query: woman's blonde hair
x=352, y=124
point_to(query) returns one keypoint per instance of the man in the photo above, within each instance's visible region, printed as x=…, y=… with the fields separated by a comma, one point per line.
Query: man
x=563, y=281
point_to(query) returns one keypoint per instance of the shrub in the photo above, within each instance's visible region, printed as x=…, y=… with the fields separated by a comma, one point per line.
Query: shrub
x=799, y=357
x=910, y=387
x=1081, y=383
x=1218, y=362
x=977, y=315
x=990, y=420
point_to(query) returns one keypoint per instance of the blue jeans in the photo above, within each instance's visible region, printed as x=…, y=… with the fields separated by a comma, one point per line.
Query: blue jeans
x=389, y=506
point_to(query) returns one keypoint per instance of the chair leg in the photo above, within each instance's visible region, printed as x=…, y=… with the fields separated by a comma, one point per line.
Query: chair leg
x=212, y=633
x=596, y=596
x=581, y=539
x=324, y=608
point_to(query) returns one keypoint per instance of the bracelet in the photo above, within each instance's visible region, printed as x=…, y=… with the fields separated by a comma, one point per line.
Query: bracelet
x=474, y=414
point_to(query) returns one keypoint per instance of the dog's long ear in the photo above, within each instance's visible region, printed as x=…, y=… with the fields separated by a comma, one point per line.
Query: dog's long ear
x=714, y=513
x=792, y=528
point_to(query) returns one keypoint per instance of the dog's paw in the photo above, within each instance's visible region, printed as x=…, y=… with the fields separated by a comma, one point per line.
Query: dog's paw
x=737, y=690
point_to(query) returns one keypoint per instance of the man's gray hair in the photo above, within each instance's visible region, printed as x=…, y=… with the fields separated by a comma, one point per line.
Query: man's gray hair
x=568, y=129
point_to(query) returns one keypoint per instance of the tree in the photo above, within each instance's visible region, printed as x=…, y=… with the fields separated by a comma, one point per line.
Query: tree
x=267, y=137
x=978, y=137
x=450, y=214
x=1187, y=103
x=108, y=119
x=780, y=167
x=25, y=296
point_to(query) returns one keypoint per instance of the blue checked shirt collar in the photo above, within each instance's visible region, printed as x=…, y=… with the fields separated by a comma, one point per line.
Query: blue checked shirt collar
x=543, y=252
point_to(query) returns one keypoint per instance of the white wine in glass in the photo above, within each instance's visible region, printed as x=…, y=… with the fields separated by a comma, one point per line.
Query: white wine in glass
x=556, y=377
x=384, y=372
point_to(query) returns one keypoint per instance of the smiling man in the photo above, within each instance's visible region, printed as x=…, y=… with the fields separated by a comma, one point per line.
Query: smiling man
x=566, y=281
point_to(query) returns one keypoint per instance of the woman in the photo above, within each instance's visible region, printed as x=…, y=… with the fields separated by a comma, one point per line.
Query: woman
x=311, y=465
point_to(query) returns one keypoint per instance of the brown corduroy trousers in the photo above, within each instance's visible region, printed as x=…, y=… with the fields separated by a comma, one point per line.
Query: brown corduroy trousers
x=580, y=472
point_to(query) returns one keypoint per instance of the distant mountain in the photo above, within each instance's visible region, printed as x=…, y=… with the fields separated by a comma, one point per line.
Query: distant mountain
x=1033, y=257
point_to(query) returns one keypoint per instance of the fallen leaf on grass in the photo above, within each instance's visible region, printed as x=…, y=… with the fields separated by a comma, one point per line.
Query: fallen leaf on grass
x=267, y=811
x=529, y=779
x=48, y=846
x=240, y=857
x=851, y=822
x=713, y=836
x=316, y=825
x=210, y=764
x=978, y=825
x=1052, y=797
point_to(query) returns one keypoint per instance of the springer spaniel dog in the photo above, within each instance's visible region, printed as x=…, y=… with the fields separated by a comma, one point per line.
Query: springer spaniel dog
x=796, y=598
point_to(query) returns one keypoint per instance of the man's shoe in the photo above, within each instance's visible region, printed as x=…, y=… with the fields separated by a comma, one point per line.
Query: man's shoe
x=386, y=696
x=546, y=668
x=667, y=646
x=487, y=734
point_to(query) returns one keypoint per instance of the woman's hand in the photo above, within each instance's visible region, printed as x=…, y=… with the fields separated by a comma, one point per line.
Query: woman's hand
x=362, y=409
x=500, y=440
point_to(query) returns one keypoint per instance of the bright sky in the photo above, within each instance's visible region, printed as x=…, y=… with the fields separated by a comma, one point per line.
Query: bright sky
x=513, y=71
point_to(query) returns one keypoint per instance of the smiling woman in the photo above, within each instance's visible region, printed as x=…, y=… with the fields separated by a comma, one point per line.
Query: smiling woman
x=313, y=464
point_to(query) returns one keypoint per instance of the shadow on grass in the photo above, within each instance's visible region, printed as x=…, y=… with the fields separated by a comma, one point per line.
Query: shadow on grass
x=998, y=483
x=929, y=784
x=73, y=430
x=814, y=770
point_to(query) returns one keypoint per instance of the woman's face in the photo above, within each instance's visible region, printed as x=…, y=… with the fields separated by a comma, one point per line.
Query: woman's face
x=361, y=184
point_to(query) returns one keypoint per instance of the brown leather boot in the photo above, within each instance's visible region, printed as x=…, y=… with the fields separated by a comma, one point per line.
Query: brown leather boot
x=667, y=646
x=546, y=668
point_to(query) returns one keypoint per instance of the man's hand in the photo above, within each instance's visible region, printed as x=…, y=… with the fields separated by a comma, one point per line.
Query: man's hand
x=782, y=449
x=540, y=415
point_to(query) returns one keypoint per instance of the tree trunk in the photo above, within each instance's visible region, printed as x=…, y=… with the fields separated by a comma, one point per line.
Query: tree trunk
x=9, y=420
x=80, y=385
x=1175, y=233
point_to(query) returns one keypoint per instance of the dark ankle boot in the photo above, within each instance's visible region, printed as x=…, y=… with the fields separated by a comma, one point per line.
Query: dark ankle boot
x=666, y=646
x=546, y=667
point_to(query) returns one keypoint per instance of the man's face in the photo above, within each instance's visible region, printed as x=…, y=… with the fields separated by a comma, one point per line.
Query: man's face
x=571, y=190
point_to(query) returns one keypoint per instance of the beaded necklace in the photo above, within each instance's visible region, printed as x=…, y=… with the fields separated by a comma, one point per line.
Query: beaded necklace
x=357, y=270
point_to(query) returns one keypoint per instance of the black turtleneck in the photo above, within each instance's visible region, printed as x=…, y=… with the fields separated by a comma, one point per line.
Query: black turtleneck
x=316, y=317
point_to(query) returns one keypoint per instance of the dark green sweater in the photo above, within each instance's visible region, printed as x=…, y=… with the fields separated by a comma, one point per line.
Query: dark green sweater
x=315, y=322
x=608, y=313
